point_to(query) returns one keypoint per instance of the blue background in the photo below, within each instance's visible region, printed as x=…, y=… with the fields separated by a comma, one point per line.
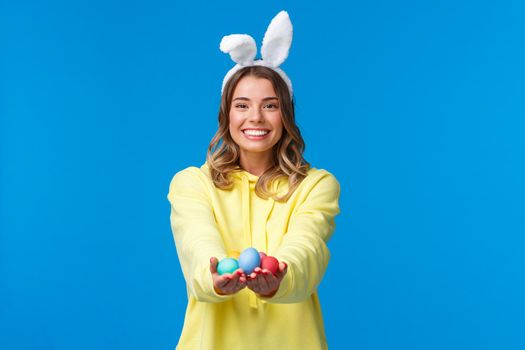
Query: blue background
x=416, y=107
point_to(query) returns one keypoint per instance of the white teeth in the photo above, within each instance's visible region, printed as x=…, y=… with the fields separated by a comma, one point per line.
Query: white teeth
x=255, y=132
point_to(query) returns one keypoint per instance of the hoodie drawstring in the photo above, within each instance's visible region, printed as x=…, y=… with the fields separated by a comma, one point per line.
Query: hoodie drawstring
x=246, y=227
x=246, y=210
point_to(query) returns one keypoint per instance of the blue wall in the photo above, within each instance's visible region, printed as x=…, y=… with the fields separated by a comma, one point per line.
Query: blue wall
x=416, y=107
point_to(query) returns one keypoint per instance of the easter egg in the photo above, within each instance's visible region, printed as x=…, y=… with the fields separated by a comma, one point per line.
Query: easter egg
x=249, y=260
x=227, y=265
x=262, y=254
x=270, y=263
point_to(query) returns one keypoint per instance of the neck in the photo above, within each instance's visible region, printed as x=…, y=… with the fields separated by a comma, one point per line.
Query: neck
x=256, y=163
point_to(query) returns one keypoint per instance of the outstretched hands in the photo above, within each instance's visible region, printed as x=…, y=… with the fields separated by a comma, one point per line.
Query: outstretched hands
x=261, y=281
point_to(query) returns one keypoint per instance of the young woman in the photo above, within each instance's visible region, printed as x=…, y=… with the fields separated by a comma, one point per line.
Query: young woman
x=254, y=190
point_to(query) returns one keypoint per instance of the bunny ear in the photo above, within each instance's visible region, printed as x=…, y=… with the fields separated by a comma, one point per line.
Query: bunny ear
x=241, y=48
x=277, y=39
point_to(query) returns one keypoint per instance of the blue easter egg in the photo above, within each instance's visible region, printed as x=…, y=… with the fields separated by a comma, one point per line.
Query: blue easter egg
x=249, y=260
x=227, y=265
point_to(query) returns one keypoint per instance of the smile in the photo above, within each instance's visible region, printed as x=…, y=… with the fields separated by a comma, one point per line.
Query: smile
x=256, y=134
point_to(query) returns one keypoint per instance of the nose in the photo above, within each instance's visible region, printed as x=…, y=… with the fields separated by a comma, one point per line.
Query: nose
x=256, y=115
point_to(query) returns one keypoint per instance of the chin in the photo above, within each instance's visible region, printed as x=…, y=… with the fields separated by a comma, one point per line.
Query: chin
x=256, y=149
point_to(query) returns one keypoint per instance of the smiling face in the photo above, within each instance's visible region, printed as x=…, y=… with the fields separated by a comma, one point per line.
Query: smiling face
x=255, y=119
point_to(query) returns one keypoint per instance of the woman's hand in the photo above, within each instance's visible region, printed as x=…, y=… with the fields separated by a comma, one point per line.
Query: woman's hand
x=229, y=283
x=264, y=283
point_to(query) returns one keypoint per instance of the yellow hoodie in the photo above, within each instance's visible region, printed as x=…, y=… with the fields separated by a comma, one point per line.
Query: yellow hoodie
x=207, y=221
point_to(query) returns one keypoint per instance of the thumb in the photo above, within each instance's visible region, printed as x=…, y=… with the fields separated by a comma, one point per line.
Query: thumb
x=283, y=268
x=213, y=265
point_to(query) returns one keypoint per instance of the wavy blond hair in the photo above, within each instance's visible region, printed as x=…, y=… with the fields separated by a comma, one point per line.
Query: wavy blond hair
x=288, y=161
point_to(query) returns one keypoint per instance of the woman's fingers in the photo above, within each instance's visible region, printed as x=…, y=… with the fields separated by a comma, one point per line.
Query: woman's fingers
x=232, y=283
x=238, y=285
x=213, y=265
x=243, y=279
x=239, y=280
x=253, y=282
x=283, y=268
x=264, y=281
x=249, y=283
x=258, y=282
x=223, y=282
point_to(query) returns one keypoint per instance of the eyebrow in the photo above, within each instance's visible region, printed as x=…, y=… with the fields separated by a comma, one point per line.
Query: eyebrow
x=264, y=99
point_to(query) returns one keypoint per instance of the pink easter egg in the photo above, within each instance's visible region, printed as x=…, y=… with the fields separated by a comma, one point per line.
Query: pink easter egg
x=270, y=263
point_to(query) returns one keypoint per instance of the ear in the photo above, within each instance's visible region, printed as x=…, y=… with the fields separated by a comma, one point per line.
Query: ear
x=241, y=48
x=277, y=39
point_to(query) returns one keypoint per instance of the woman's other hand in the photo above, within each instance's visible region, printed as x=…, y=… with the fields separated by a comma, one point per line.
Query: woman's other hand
x=229, y=283
x=265, y=283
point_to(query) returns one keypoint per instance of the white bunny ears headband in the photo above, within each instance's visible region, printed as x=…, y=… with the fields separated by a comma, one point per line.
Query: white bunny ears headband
x=274, y=50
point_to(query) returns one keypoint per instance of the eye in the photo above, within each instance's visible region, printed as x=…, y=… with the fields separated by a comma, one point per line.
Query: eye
x=272, y=105
x=241, y=105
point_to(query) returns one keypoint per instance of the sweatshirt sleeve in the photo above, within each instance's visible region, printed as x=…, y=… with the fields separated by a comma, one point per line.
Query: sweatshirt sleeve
x=196, y=235
x=304, y=246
